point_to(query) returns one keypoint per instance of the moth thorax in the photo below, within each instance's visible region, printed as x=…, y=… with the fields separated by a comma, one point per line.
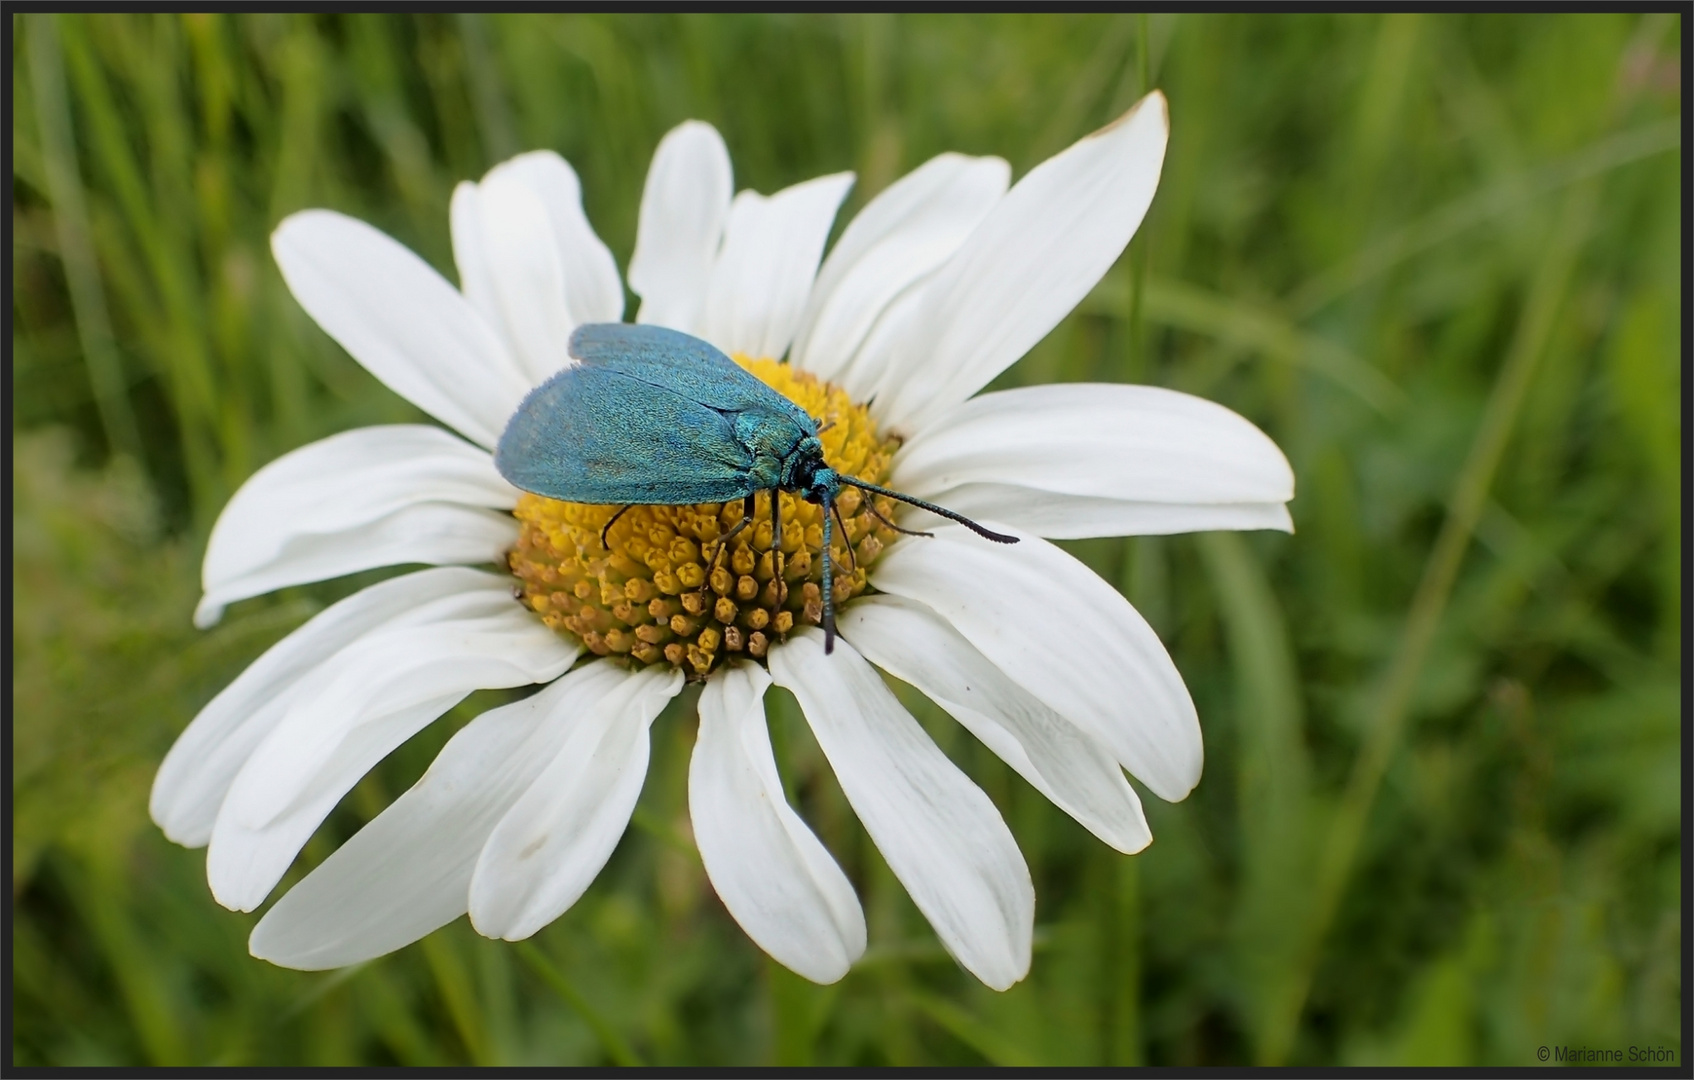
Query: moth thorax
x=664, y=589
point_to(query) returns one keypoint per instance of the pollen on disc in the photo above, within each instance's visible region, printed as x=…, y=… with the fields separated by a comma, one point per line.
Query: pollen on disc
x=664, y=589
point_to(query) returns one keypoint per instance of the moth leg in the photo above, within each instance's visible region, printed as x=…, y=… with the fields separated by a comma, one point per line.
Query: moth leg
x=748, y=506
x=986, y=534
x=778, y=560
x=711, y=568
x=608, y=527
x=870, y=504
x=852, y=556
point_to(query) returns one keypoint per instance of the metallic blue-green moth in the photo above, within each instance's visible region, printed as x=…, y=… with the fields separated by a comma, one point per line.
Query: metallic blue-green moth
x=650, y=416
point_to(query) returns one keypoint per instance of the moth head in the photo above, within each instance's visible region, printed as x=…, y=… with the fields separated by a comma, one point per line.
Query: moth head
x=807, y=474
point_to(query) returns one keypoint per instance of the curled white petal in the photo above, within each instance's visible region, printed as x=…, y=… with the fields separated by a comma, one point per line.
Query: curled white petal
x=764, y=272
x=409, y=870
x=530, y=262
x=474, y=262
x=353, y=709
x=872, y=372
x=683, y=209
x=1034, y=256
x=526, y=272
x=771, y=872
x=593, y=291
x=899, y=237
x=941, y=835
x=549, y=846
x=376, y=496
x=1067, y=637
x=912, y=643
x=196, y=774
x=401, y=320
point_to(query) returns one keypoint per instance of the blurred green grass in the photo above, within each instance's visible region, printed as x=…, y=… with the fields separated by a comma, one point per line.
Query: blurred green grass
x=1436, y=257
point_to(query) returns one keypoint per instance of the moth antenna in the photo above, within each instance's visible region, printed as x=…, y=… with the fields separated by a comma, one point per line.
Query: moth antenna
x=986, y=534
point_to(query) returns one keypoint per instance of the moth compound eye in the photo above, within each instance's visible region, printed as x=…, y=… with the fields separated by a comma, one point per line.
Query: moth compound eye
x=663, y=590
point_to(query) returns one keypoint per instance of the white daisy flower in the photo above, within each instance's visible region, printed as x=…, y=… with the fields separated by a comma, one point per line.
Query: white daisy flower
x=943, y=280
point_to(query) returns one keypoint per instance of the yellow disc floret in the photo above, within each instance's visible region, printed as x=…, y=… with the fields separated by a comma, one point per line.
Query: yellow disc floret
x=664, y=589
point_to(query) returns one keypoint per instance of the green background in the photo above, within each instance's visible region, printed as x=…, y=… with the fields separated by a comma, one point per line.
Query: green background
x=1435, y=257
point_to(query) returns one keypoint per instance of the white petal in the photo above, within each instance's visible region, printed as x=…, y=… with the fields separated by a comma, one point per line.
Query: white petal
x=434, y=534
x=593, y=292
x=197, y=772
x=912, y=643
x=475, y=638
x=323, y=510
x=401, y=320
x=872, y=371
x=243, y=863
x=529, y=260
x=470, y=255
x=409, y=870
x=771, y=872
x=900, y=236
x=941, y=835
x=683, y=209
x=1137, y=443
x=1073, y=517
x=354, y=709
x=549, y=846
x=525, y=270
x=1067, y=637
x=1027, y=265
x=763, y=275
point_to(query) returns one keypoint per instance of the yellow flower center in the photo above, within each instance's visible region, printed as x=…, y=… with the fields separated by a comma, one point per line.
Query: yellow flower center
x=664, y=589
